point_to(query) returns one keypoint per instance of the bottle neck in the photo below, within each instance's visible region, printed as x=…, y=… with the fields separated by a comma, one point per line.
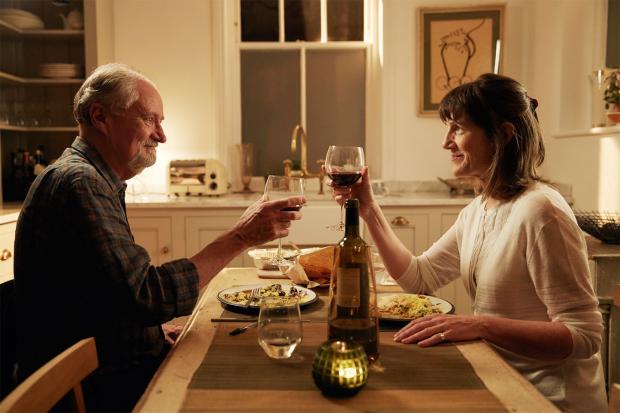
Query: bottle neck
x=352, y=222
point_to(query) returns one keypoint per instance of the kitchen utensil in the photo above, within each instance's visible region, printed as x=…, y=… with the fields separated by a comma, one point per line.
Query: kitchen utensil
x=240, y=330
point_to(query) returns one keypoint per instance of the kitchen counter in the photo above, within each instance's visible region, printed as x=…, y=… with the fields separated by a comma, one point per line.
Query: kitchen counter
x=245, y=200
x=9, y=212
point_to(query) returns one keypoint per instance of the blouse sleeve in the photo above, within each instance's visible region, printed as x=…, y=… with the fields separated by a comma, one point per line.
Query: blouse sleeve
x=558, y=266
x=436, y=267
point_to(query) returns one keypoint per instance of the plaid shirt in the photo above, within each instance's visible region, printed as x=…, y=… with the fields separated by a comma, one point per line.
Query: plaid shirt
x=79, y=273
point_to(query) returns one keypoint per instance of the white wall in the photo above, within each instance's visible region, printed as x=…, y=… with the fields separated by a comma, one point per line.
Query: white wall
x=550, y=46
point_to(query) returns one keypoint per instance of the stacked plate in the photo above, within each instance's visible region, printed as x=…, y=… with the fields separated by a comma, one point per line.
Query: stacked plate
x=60, y=70
x=21, y=19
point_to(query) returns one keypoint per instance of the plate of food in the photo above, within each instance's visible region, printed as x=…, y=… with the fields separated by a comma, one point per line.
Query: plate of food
x=238, y=296
x=407, y=307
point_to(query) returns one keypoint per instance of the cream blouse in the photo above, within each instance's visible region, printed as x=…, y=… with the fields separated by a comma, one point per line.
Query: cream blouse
x=526, y=259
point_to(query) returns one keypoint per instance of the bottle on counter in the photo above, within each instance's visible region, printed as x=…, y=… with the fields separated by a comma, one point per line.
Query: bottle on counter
x=353, y=313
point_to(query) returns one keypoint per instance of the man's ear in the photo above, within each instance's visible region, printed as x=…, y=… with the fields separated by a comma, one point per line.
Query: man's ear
x=508, y=131
x=98, y=117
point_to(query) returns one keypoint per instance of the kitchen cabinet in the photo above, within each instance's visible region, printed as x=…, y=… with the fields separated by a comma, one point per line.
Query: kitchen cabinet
x=418, y=228
x=155, y=235
x=36, y=121
x=7, y=240
x=172, y=232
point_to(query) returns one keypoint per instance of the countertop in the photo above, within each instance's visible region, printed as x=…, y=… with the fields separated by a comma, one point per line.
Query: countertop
x=9, y=212
x=245, y=200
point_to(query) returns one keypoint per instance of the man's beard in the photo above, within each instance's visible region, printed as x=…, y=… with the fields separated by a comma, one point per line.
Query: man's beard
x=143, y=159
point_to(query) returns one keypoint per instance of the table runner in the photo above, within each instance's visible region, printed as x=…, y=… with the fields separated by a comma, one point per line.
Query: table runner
x=432, y=377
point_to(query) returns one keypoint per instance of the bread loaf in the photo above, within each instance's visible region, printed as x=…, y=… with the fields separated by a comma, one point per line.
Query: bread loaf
x=318, y=264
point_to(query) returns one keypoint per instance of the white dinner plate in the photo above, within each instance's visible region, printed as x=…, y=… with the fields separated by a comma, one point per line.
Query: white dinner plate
x=443, y=306
x=309, y=297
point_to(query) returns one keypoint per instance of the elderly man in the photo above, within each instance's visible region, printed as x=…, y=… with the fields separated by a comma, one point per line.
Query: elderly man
x=78, y=271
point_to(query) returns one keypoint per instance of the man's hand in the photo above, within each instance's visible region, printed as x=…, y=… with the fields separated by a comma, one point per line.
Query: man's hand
x=265, y=221
x=171, y=332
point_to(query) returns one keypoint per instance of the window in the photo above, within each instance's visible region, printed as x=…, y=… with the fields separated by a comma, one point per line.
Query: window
x=302, y=62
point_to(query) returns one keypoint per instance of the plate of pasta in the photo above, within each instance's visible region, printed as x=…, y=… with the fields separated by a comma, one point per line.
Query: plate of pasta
x=407, y=307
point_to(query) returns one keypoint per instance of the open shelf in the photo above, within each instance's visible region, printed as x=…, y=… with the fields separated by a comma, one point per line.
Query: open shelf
x=598, y=131
x=4, y=126
x=9, y=30
x=10, y=78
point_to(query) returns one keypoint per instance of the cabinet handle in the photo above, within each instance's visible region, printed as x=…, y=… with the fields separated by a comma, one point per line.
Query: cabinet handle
x=5, y=255
x=400, y=221
x=165, y=250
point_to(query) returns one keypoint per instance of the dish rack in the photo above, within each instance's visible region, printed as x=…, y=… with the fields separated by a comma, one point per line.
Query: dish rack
x=604, y=226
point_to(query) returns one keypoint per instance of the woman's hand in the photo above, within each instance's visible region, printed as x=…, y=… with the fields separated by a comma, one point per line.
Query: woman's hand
x=361, y=190
x=435, y=329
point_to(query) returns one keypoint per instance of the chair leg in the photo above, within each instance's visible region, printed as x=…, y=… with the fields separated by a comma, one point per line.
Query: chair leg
x=77, y=399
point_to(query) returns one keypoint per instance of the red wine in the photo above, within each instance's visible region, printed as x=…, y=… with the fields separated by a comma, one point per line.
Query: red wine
x=292, y=208
x=360, y=330
x=345, y=178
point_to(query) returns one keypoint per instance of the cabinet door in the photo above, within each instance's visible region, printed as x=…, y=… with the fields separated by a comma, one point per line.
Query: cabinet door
x=7, y=240
x=155, y=235
x=202, y=230
x=411, y=229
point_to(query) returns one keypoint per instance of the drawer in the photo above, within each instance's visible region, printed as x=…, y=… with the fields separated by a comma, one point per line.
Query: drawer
x=7, y=240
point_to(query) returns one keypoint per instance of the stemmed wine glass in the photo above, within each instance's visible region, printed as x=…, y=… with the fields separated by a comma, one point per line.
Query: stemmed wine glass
x=343, y=165
x=279, y=187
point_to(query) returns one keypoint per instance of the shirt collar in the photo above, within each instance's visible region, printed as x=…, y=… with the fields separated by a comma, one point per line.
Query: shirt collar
x=90, y=152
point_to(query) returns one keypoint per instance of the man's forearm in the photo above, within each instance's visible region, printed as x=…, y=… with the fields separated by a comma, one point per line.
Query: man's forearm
x=212, y=258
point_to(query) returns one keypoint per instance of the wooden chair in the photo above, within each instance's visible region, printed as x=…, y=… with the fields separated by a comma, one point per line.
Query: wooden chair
x=58, y=377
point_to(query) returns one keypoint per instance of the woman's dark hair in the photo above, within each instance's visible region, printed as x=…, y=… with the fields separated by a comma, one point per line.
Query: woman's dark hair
x=490, y=101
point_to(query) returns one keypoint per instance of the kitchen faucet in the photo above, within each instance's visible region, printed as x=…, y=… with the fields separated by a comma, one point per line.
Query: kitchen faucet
x=303, y=173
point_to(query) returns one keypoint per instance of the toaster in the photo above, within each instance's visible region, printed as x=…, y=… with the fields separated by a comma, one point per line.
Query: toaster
x=197, y=177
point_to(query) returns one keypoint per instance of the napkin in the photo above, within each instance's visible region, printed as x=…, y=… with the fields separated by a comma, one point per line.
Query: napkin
x=297, y=274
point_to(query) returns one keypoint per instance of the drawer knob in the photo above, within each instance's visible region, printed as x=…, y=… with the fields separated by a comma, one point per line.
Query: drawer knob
x=5, y=255
x=400, y=221
x=165, y=250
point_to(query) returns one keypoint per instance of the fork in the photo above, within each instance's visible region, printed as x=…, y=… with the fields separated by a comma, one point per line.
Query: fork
x=253, y=294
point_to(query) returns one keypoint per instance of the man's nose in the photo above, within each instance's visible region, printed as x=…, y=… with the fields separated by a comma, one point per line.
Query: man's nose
x=160, y=136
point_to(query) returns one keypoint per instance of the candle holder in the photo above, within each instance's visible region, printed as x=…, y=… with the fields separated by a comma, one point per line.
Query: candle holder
x=340, y=368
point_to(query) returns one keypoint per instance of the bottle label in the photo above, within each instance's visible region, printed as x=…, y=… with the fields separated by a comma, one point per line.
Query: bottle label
x=348, y=284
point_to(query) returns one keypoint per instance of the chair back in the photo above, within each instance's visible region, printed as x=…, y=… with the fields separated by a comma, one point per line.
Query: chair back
x=51, y=382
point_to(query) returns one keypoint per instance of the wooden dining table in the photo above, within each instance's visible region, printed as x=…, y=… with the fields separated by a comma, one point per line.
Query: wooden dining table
x=209, y=370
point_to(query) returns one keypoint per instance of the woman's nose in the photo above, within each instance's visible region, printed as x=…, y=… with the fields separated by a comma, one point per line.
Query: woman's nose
x=447, y=141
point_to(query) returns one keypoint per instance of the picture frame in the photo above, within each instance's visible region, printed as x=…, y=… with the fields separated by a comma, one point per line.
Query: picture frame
x=456, y=45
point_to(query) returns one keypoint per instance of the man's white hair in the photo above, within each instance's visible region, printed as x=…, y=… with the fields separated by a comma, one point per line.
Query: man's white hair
x=112, y=85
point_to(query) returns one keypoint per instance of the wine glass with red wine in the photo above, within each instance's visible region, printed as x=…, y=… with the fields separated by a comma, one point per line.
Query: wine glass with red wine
x=279, y=187
x=343, y=165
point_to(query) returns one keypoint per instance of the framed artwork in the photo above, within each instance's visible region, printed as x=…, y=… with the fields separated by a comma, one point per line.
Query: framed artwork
x=456, y=45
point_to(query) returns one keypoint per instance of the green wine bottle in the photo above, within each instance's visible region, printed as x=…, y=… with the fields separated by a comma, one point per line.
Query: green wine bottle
x=353, y=313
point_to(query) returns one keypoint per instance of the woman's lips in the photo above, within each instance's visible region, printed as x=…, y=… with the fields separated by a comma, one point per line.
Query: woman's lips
x=456, y=156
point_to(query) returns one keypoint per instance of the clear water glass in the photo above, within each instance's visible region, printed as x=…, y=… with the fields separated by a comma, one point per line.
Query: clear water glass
x=279, y=326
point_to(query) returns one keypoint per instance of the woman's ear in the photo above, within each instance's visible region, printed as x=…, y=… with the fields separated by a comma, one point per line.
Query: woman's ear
x=98, y=116
x=508, y=131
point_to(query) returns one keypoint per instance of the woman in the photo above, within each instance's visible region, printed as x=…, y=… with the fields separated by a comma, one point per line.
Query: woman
x=516, y=246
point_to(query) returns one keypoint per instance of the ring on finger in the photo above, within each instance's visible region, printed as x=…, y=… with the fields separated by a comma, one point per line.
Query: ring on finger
x=442, y=336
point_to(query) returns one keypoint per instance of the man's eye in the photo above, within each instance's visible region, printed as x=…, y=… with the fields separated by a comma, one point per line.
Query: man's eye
x=149, y=120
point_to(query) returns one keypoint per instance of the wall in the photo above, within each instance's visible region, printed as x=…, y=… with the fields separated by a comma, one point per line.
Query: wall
x=168, y=41
x=550, y=46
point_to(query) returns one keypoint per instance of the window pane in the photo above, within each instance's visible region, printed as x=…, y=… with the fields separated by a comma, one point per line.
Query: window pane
x=259, y=20
x=345, y=20
x=336, y=100
x=270, y=95
x=302, y=20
